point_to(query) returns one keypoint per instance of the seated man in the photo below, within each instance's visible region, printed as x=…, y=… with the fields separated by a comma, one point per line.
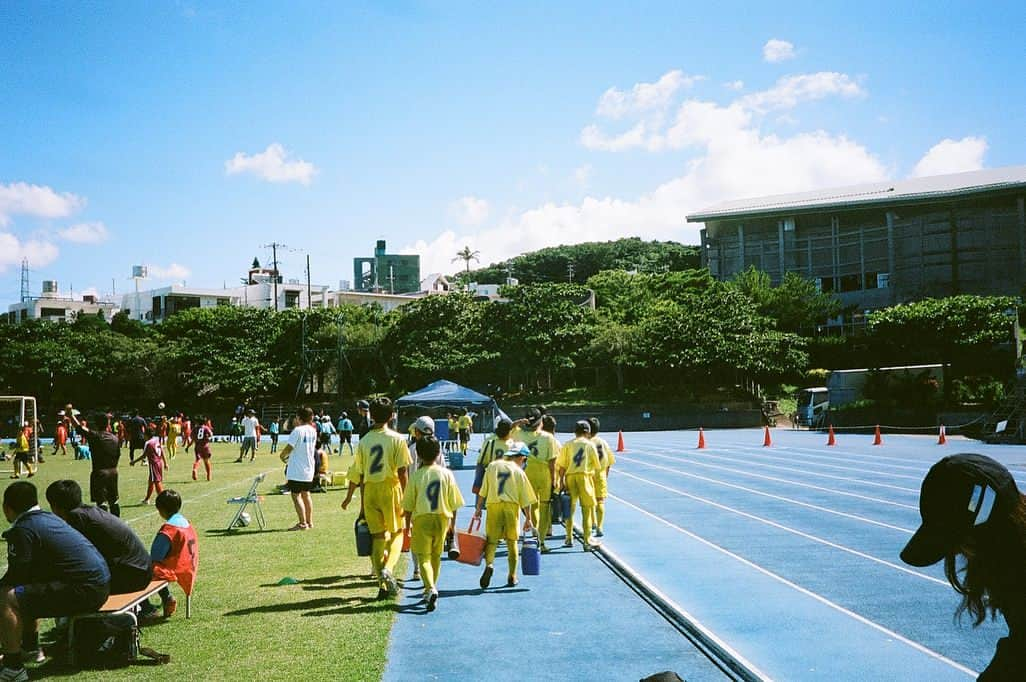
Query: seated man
x=131, y=568
x=52, y=571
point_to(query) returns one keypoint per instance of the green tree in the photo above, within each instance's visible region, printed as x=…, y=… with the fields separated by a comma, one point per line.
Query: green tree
x=796, y=304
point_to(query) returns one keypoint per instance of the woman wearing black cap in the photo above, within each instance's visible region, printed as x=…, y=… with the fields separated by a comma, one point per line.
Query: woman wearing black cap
x=972, y=508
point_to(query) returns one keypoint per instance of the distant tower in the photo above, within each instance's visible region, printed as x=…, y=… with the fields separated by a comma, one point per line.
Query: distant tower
x=24, y=280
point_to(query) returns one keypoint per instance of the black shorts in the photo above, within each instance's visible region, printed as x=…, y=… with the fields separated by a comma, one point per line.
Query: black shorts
x=464, y=435
x=345, y=437
x=125, y=579
x=50, y=600
x=22, y=457
x=300, y=486
x=103, y=486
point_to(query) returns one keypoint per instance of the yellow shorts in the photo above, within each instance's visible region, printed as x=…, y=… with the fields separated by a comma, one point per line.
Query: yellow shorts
x=541, y=481
x=503, y=522
x=429, y=535
x=581, y=489
x=601, y=487
x=383, y=507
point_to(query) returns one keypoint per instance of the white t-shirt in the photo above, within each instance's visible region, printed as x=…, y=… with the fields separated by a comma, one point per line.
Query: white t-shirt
x=249, y=425
x=303, y=440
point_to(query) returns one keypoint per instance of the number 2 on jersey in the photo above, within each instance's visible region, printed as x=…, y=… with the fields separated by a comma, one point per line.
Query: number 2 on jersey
x=431, y=493
x=377, y=454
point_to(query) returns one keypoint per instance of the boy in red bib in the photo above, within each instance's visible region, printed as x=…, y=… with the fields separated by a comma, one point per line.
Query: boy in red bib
x=175, y=552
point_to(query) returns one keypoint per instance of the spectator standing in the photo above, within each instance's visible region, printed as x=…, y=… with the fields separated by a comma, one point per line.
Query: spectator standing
x=103, y=446
x=272, y=429
x=52, y=571
x=249, y=427
x=345, y=431
x=298, y=456
x=363, y=422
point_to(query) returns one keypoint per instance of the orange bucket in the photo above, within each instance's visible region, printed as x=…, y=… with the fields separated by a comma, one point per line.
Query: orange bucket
x=471, y=543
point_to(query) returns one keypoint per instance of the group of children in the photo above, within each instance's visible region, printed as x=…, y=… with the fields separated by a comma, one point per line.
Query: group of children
x=522, y=467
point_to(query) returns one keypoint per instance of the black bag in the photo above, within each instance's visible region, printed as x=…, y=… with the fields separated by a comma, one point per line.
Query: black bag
x=107, y=641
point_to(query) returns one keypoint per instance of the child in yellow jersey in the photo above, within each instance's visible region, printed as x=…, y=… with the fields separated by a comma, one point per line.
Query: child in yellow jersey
x=430, y=501
x=494, y=447
x=380, y=471
x=466, y=426
x=541, y=472
x=606, y=461
x=506, y=491
x=578, y=461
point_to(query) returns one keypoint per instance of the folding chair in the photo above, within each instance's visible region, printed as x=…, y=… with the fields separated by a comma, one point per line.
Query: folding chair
x=250, y=498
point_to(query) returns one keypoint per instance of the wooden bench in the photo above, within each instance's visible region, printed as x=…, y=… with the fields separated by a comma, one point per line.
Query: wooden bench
x=121, y=603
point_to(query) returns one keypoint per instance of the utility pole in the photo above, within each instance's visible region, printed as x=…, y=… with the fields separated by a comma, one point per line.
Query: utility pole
x=274, y=264
x=570, y=271
x=391, y=278
x=309, y=303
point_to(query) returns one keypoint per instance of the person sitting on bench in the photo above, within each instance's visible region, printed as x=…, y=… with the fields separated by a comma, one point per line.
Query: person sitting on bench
x=52, y=570
x=131, y=568
x=175, y=553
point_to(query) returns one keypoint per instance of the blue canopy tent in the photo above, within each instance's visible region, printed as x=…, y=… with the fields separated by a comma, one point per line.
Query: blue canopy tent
x=442, y=397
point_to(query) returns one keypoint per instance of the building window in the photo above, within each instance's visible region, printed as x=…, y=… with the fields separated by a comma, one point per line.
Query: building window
x=291, y=299
x=51, y=312
x=787, y=224
x=825, y=284
x=883, y=280
x=850, y=282
x=224, y=301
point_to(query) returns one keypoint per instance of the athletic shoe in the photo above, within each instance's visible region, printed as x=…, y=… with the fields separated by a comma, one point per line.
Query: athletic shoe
x=599, y=533
x=31, y=474
x=382, y=594
x=568, y=543
x=170, y=606
x=432, y=598
x=486, y=578
x=144, y=502
x=13, y=674
x=194, y=474
x=544, y=550
x=238, y=460
x=454, y=554
x=391, y=584
x=511, y=581
x=591, y=547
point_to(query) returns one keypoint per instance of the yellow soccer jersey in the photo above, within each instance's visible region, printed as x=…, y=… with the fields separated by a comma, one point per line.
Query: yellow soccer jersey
x=465, y=422
x=578, y=456
x=492, y=449
x=432, y=490
x=379, y=456
x=504, y=481
x=520, y=433
x=605, y=454
x=544, y=449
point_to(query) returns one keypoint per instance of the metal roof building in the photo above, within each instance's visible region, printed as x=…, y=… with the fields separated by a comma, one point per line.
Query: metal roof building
x=879, y=244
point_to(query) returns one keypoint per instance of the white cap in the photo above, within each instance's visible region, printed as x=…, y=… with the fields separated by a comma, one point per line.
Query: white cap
x=425, y=424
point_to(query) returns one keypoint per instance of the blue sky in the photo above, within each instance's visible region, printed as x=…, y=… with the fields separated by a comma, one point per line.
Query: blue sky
x=187, y=135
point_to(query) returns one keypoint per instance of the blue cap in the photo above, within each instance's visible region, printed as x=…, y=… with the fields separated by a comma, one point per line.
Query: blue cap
x=518, y=449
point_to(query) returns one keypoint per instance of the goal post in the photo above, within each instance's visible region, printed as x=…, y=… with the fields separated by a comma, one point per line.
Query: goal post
x=15, y=411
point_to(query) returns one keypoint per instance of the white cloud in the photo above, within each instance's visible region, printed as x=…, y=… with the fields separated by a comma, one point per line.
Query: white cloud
x=13, y=250
x=789, y=91
x=85, y=233
x=643, y=97
x=952, y=156
x=734, y=85
x=776, y=50
x=40, y=201
x=592, y=137
x=271, y=165
x=469, y=210
x=583, y=174
x=174, y=271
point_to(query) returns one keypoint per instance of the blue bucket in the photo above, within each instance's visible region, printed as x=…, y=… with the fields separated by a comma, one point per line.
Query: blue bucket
x=564, y=506
x=455, y=459
x=556, y=509
x=530, y=556
x=363, y=538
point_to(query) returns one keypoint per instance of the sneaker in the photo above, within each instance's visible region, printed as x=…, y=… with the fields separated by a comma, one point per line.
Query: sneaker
x=391, y=584
x=599, y=533
x=170, y=606
x=144, y=502
x=544, y=550
x=486, y=578
x=512, y=581
x=568, y=543
x=432, y=598
x=238, y=460
x=591, y=547
x=382, y=594
x=13, y=674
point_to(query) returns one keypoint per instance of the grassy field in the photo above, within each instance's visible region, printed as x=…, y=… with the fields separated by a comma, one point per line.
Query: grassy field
x=244, y=625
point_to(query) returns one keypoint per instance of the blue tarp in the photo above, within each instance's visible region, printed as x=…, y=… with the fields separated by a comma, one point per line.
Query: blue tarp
x=446, y=393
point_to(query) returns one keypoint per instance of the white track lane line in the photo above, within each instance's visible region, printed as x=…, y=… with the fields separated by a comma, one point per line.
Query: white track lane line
x=809, y=593
x=788, y=482
x=826, y=510
x=788, y=529
x=847, y=479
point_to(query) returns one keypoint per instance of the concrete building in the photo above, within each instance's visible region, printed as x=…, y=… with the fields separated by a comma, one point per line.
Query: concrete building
x=386, y=273
x=50, y=305
x=388, y=302
x=880, y=244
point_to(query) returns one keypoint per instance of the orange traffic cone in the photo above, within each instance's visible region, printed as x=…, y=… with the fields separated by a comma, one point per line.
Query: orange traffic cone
x=877, y=439
x=767, y=441
x=701, y=438
x=943, y=438
x=619, y=443
x=830, y=438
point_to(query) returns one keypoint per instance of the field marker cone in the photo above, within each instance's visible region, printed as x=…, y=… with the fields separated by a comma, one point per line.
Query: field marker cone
x=943, y=438
x=701, y=438
x=619, y=443
x=767, y=441
x=877, y=439
x=830, y=439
